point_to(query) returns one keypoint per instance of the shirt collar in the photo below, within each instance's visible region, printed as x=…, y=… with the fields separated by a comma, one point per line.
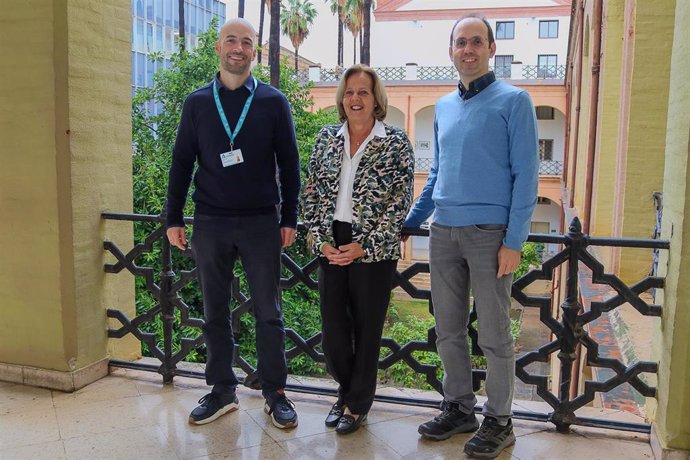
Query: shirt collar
x=379, y=130
x=476, y=86
x=248, y=83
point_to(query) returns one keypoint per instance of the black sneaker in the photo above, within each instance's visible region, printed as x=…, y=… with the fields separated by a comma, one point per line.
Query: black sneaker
x=449, y=422
x=281, y=410
x=491, y=439
x=212, y=406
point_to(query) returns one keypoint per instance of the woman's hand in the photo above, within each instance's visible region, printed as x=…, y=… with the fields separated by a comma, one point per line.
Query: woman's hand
x=343, y=255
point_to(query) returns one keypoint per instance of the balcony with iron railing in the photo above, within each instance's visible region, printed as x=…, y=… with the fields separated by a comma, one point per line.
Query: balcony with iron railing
x=546, y=167
x=136, y=413
x=412, y=72
x=179, y=331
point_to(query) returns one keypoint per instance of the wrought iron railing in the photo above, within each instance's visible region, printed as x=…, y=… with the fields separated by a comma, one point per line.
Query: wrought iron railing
x=567, y=324
x=428, y=73
x=303, y=75
x=550, y=168
x=391, y=73
x=437, y=73
x=656, y=234
x=331, y=74
x=543, y=72
x=423, y=164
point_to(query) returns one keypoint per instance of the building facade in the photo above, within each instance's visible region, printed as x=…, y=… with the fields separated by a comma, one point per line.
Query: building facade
x=156, y=29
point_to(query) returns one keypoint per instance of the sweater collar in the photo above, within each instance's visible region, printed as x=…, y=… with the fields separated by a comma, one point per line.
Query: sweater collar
x=476, y=86
x=248, y=83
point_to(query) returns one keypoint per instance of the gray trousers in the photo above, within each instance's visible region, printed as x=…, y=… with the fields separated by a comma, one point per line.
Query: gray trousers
x=464, y=258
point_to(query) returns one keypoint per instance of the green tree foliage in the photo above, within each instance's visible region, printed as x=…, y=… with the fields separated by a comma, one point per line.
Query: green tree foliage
x=296, y=18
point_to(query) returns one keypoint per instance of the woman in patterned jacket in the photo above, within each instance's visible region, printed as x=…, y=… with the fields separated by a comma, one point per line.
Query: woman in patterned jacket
x=356, y=198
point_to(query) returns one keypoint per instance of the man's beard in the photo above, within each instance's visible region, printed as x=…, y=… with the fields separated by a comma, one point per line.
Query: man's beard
x=235, y=69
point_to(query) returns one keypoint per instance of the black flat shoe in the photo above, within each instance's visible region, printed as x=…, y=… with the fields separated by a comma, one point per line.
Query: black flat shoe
x=348, y=424
x=334, y=415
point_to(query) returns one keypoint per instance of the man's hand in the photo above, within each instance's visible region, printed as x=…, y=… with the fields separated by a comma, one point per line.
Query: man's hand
x=287, y=236
x=177, y=237
x=343, y=255
x=508, y=261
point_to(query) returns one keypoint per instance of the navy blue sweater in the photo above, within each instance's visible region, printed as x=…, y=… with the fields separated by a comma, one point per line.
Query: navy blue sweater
x=267, y=140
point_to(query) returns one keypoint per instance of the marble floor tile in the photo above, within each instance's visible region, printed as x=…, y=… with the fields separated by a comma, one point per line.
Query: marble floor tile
x=77, y=419
x=263, y=452
x=131, y=414
x=551, y=445
x=30, y=426
x=232, y=431
x=106, y=389
x=53, y=450
x=360, y=444
x=146, y=442
x=17, y=397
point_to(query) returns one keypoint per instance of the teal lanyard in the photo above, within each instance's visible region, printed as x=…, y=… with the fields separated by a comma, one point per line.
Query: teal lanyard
x=233, y=134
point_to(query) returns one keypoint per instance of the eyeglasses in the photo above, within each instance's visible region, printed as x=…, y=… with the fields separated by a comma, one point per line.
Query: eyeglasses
x=474, y=42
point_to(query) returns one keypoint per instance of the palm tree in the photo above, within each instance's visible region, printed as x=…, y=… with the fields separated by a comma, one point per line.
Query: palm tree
x=365, y=55
x=337, y=8
x=180, y=12
x=353, y=22
x=274, y=42
x=261, y=29
x=295, y=20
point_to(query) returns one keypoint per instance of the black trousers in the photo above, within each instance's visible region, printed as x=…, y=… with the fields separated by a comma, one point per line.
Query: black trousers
x=217, y=242
x=354, y=300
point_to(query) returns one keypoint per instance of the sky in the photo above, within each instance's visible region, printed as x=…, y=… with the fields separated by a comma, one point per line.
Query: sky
x=321, y=44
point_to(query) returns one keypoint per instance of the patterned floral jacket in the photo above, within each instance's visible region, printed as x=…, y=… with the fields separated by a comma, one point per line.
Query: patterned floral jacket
x=381, y=194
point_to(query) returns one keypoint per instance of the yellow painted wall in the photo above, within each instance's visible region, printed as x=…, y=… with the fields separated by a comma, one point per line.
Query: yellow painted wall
x=66, y=136
x=608, y=119
x=646, y=130
x=672, y=339
x=577, y=188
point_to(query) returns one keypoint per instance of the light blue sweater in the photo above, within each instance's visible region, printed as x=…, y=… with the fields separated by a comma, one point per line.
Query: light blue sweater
x=486, y=166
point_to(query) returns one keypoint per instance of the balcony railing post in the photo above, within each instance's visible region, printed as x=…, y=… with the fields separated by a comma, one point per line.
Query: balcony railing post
x=167, y=368
x=564, y=416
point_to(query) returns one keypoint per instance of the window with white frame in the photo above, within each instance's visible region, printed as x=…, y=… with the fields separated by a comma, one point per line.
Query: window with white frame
x=547, y=66
x=505, y=30
x=548, y=29
x=502, y=65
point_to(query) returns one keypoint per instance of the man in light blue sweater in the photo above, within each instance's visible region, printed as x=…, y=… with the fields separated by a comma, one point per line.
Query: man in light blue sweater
x=482, y=189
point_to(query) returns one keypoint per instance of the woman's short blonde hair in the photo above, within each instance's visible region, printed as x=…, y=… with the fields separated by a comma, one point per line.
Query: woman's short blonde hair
x=379, y=91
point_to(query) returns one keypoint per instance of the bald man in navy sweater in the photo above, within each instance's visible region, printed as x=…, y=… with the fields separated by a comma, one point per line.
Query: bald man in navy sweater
x=239, y=132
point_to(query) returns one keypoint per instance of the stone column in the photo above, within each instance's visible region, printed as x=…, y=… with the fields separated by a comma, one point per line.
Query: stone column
x=671, y=409
x=65, y=130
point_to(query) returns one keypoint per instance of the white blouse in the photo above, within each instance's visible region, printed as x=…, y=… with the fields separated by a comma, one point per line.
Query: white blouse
x=343, y=204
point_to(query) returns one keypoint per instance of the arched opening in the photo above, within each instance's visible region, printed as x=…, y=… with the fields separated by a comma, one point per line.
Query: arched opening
x=551, y=131
x=424, y=138
x=395, y=117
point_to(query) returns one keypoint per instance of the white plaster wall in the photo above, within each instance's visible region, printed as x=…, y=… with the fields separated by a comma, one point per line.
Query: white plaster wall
x=395, y=117
x=554, y=129
x=394, y=43
x=426, y=42
x=550, y=213
x=424, y=132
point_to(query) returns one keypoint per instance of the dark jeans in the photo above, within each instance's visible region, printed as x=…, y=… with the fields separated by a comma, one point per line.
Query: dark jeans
x=354, y=300
x=217, y=242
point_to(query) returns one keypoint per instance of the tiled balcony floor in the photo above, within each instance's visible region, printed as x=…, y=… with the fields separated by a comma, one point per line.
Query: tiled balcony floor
x=131, y=415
